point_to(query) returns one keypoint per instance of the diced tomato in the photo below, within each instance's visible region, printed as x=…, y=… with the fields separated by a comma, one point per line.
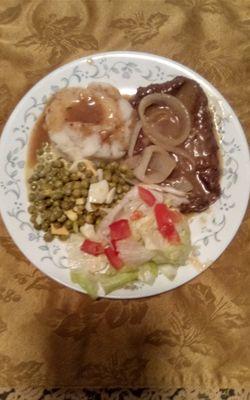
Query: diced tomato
x=93, y=248
x=166, y=219
x=169, y=231
x=175, y=216
x=146, y=196
x=120, y=230
x=113, y=257
x=113, y=242
x=137, y=214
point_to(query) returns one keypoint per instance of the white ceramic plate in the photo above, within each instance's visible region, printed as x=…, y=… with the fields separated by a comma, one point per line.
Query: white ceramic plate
x=212, y=231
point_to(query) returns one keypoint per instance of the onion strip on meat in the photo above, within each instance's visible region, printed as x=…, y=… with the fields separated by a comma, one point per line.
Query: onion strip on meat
x=132, y=162
x=166, y=189
x=182, y=153
x=152, y=168
x=182, y=184
x=151, y=129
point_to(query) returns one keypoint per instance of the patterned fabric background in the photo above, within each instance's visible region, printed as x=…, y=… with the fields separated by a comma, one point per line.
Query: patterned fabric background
x=196, y=337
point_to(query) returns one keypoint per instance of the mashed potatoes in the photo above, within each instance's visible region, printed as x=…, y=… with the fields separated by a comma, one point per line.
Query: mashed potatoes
x=93, y=122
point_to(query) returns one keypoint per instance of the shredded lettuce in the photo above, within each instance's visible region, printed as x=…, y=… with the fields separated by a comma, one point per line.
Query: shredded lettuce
x=86, y=281
x=172, y=254
x=148, y=272
x=145, y=254
x=118, y=281
x=169, y=271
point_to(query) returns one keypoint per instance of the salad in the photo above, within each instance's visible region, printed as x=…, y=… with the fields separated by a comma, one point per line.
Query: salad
x=140, y=237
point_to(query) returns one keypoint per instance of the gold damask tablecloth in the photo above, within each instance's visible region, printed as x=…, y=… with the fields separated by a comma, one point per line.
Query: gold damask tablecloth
x=196, y=337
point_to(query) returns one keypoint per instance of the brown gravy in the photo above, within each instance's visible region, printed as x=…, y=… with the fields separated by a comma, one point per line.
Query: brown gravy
x=39, y=136
x=86, y=110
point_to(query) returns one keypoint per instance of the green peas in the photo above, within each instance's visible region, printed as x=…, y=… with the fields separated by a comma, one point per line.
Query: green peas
x=41, y=207
x=52, y=217
x=68, y=224
x=63, y=238
x=89, y=218
x=101, y=164
x=119, y=189
x=62, y=219
x=49, y=202
x=64, y=178
x=102, y=213
x=58, y=213
x=32, y=209
x=41, y=174
x=115, y=178
x=45, y=215
x=67, y=191
x=41, y=196
x=57, y=225
x=39, y=152
x=129, y=174
x=58, y=184
x=85, y=184
x=32, y=196
x=74, y=176
x=59, y=176
x=123, y=168
x=68, y=185
x=57, y=195
x=34, y=177
x=121, y=180
x=81, y=166
x=45, y=226
x=77, y=185
x=88, y=173
x=37, y=226
x=79, y=209
x=54, y=172
x=33, y=218
x=76, y=193
x=55, y=189
x=46, y=170
x=95, y=207
x=113, y=166
x=72, y=203
x=48, y=237
x=107, y=175
x=81, y=220
x=84, y=193
x=57, y=163
x=126, y=188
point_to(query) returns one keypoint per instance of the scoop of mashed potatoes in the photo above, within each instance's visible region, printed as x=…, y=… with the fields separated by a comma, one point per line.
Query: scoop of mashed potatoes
x=91, y=122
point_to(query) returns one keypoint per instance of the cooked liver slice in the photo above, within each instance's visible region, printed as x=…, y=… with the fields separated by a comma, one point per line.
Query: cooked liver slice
x=201, y=144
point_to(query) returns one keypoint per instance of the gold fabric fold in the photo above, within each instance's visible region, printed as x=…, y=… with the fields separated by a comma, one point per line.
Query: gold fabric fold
x=193, y=337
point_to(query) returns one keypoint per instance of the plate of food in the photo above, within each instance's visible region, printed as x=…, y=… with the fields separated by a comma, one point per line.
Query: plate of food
x=123, y=174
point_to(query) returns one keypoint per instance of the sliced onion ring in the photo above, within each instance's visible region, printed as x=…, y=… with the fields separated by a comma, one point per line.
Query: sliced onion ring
x=150, y=129
x=134, y=138
x=162, y=165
